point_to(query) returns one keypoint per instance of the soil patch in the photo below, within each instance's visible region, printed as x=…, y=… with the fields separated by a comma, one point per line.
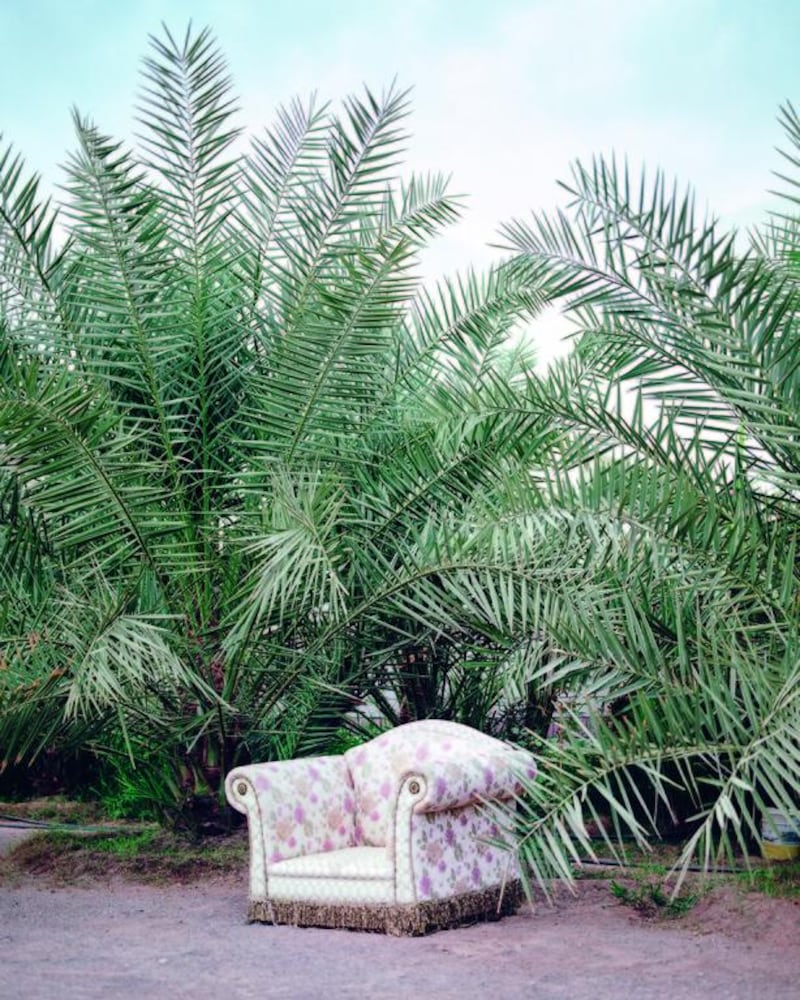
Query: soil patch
x=142, y=913
x=141, y=854
x=129, y=941
x=749, y=917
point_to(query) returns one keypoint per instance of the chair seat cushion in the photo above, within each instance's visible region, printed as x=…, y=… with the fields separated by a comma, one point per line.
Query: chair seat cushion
x=350, y=875
x=349, y=862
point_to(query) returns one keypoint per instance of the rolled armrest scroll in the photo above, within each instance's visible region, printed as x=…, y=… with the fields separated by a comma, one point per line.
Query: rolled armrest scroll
x=297, y=806
x=455, y=781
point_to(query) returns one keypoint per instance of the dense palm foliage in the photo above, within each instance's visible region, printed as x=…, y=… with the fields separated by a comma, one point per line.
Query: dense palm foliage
x=675, y=485
x=228, y=458
x=253, y=472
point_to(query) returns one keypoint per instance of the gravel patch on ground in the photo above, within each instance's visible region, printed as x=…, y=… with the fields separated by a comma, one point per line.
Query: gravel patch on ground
x=128, y=941
x=11, y=836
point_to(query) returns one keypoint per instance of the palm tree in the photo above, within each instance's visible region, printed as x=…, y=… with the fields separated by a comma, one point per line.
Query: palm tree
x=253, y=471
x=235, y=431
x=673, y=492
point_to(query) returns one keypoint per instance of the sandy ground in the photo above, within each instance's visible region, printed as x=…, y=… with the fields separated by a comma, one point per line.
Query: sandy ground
x=10, y=837
x=133, y=941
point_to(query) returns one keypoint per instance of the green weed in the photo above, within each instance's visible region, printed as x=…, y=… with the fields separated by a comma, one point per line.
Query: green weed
x=128, y=845
x=779, y=880
x=653, y=897
x=141, y=855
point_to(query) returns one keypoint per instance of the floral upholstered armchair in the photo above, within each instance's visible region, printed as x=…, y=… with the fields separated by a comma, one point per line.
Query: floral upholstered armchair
x=401, y=834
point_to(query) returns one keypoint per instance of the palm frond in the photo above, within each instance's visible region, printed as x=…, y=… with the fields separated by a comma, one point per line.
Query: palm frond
x=186, y=109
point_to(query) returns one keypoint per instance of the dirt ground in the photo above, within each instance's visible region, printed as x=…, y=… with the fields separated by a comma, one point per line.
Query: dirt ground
x=123, y=940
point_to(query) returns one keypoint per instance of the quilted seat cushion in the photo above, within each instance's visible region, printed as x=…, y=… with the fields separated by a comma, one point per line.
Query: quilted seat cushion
x=350, y=862
x=350, y=875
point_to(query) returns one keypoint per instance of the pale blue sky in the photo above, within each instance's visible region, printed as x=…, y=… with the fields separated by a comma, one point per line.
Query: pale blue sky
x=506, y=93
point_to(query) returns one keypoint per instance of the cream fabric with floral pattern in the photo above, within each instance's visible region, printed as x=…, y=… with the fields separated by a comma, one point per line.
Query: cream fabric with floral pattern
x=450, y=854
x=460, y=766
x=405, y=819
x=305, y=806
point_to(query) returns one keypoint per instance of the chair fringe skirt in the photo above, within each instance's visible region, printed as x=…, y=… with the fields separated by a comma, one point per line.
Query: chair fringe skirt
x=408, y=920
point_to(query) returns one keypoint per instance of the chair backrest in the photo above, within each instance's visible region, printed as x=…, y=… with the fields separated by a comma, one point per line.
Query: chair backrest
x=375, y=767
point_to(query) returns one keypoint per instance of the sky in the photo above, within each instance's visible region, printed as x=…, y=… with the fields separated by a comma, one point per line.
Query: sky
x=506, y=93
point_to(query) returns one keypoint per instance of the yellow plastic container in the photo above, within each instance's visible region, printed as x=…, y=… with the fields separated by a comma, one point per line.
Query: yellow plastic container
x=780, y=835
x=779, y=852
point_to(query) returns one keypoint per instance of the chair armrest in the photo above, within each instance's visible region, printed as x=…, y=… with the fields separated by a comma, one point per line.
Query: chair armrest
x=457, y=780
x=296, y=806
x=456, y=764
x=446, y=836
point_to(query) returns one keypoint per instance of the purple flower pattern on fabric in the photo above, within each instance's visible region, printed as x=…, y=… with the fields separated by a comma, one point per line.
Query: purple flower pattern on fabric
x=460, y=766
x=450, y=855
x=328, y=803
x=304, y=806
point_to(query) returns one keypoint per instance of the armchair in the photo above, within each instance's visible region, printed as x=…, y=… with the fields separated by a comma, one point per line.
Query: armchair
x=399, y=835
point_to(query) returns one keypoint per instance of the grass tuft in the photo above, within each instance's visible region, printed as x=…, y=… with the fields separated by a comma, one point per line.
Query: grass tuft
x=654, y=898
x=150, y=855
x=781, y=879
